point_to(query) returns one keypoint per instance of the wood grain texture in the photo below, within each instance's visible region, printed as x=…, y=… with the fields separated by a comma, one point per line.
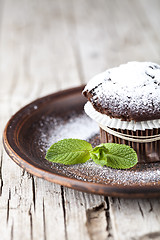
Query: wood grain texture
x=140, y=218
x=46, y=46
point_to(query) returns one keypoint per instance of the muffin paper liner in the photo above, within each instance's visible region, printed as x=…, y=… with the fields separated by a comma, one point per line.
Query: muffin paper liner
x=116, y=123
x=147, y=152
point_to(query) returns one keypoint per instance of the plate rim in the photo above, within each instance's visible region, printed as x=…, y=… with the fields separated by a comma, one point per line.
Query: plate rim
x=121, y=190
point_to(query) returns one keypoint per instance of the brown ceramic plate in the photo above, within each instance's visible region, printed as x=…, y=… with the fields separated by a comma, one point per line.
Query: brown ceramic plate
x=31, y=130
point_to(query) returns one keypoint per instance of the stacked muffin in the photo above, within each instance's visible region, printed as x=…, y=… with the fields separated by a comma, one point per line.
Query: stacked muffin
x=125, y=101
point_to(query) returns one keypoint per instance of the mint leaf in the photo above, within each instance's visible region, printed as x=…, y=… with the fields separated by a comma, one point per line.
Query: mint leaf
x=114, y=155
x=69, y=151
x=75, y=151
x=99, y=155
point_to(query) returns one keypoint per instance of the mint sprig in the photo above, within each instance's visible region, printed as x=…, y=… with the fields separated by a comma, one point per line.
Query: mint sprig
x=69, y=151
x=75, y=151
x=119, y=156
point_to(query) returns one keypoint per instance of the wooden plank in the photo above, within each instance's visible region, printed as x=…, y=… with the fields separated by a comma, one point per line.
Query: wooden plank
x=84, y=215
x=110, y=33
x=135, y=219
x=47, y=212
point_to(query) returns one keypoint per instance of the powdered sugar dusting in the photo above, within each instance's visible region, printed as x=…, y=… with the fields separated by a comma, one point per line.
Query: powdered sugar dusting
x=80, y=126
x=133, y=87
x=90, y=172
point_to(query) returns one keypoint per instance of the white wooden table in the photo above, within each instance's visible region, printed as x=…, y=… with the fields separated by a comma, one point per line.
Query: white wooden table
x=46, y=46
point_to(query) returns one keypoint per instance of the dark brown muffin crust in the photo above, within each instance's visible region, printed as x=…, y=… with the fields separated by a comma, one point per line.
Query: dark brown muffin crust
x=138, y=101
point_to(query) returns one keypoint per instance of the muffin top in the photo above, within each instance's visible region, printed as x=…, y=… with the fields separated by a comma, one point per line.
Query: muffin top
x=128, y=92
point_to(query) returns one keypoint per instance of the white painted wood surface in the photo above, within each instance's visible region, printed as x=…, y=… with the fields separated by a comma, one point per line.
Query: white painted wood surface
x=46, y=46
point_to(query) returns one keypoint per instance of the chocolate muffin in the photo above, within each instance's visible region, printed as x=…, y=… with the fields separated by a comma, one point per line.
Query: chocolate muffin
x=125, y=101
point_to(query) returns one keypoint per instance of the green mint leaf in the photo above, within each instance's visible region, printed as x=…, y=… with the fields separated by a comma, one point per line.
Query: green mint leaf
x=69, y=151
x=114, y=155
x=99, y=155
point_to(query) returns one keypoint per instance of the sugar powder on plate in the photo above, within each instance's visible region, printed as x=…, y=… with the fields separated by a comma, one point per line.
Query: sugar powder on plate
x=81, y=127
